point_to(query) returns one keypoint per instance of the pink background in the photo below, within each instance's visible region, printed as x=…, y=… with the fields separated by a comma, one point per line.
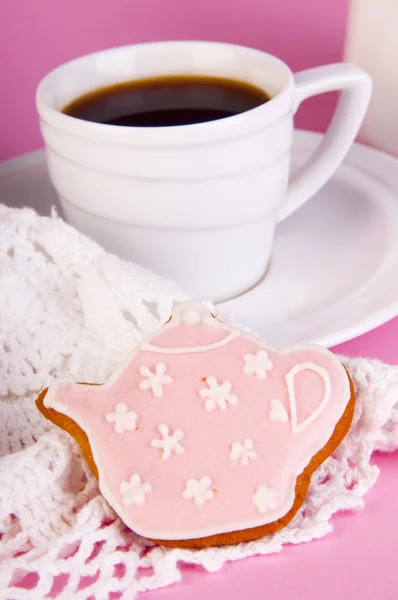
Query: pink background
x=358, y=560
x=38, y=35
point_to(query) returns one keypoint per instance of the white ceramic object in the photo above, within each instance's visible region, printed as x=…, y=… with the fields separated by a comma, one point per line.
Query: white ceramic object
x=197, y=203
x=372, y=43
x=334, y=271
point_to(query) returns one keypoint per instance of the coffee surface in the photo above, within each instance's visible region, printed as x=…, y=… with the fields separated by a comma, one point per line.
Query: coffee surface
x=166, y=101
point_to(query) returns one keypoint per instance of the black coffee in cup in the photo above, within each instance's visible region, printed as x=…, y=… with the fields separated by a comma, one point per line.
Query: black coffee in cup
x=167, y=101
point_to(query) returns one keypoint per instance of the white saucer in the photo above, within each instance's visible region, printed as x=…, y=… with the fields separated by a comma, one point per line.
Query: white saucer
x=334, y=272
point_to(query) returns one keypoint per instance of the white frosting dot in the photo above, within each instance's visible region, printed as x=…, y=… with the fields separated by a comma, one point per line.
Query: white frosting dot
x=191, y=316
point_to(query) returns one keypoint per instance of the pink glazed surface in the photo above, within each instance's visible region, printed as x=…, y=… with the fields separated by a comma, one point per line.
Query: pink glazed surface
x=285, y=404
x=360, y=554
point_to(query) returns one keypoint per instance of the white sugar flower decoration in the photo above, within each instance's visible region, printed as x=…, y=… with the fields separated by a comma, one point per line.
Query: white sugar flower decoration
x=134, y=491
x=155, y=381
x=264, y=499
x=243, y=451
x=124, y=419
x=257, y=364
x=198, y=490
x=170, y=442
x=217, y=395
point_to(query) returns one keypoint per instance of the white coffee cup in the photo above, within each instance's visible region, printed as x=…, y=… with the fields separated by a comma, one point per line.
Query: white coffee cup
x=195, y=203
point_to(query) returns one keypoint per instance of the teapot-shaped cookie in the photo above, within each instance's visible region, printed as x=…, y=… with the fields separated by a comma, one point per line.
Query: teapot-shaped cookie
x=206, y=435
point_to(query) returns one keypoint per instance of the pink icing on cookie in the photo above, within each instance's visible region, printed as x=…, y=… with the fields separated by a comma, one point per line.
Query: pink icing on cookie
x=205, y=429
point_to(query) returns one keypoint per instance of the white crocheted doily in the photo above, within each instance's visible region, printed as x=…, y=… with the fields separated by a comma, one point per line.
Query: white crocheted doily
x=71, y=311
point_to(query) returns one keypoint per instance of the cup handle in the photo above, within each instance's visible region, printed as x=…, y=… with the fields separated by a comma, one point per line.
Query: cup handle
x=356, y=88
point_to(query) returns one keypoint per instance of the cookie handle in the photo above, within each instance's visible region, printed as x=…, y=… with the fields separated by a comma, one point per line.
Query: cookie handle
x=356, y=88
